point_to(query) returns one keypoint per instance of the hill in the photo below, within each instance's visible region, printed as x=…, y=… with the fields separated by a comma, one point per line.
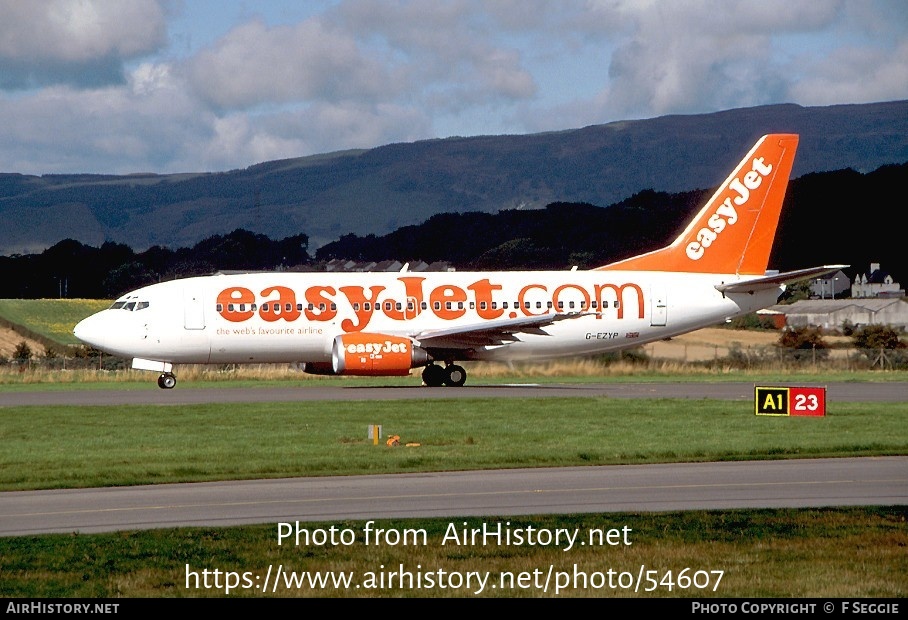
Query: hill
x=379, y=190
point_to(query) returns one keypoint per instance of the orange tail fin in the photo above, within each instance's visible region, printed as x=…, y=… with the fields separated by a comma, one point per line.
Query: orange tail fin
x=734, y=232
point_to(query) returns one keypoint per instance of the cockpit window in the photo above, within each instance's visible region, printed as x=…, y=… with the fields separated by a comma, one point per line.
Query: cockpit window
x=130, y=306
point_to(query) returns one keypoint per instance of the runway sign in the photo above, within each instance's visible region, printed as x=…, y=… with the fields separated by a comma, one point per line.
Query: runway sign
x=790, y=401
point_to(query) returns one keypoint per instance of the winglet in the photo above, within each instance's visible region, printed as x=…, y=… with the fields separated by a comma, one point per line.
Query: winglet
x=733, y=233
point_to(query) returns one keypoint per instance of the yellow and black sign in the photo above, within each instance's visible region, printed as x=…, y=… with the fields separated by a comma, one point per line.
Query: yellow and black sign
x=793, y=401
x=771, y=401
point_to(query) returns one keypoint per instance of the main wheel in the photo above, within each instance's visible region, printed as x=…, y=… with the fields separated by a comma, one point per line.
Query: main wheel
x=455, y=376
x=167, y=380
x=433, y=375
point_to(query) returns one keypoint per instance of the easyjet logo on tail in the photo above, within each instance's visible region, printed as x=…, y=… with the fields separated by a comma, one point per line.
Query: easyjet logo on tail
x=726, y=214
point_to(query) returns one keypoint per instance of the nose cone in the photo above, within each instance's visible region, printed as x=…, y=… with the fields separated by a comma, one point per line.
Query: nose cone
x=91, y=331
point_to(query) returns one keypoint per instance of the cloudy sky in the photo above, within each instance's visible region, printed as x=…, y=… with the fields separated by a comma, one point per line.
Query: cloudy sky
x=124, y=86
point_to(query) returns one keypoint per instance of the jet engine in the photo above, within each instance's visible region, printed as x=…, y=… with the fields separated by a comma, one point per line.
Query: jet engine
x=376, y=355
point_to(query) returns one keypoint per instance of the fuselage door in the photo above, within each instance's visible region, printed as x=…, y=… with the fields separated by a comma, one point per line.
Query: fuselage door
x=193, y=309
x=659, y=306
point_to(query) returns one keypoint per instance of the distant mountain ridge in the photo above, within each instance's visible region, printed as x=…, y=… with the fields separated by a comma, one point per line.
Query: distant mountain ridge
x=379, y=190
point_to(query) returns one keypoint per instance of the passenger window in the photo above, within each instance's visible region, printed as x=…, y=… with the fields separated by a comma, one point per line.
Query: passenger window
x=288, y=307
x=356, y=307
x=265, y=307
x=617, y=303
x=333, y=306
x=438, y=305
x=220, y=307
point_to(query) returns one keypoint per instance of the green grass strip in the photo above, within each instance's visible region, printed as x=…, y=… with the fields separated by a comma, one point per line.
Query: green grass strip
x=844, y=553
x=82, y=446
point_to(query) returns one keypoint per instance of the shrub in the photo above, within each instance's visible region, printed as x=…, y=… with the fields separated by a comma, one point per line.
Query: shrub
x=23, y=352
x=802, y=343
x=877, y=337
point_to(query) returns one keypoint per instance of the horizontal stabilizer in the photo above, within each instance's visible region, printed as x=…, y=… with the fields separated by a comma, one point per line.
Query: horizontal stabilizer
x=773, y=281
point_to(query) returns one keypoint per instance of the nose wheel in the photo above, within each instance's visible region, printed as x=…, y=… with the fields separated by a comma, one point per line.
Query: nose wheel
x=167, y=380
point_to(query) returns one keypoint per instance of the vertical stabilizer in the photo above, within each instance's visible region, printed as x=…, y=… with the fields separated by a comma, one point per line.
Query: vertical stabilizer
x=734, y=232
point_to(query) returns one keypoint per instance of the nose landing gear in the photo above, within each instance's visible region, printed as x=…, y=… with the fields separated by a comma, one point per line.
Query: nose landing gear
x=167, y=380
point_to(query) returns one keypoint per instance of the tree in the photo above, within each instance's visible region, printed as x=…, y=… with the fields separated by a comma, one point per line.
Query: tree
x=881, y=345
x=23, y=352
x=803, y=343
x=796, y=291
x=877, y=337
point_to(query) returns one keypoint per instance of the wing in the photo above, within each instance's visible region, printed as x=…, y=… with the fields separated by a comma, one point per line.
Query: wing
x=772, y=281
x=490, y=333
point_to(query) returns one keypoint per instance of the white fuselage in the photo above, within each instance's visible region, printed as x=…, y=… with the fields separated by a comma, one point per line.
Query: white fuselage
x=295, y=317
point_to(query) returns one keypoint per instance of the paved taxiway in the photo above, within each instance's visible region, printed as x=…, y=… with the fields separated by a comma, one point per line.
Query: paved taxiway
x=637, y=488
x=633, y=488
x=152, y=395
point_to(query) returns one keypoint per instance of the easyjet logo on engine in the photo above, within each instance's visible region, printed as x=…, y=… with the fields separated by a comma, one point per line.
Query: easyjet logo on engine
x=482, y=298
x=726, y=214
x=375, y=348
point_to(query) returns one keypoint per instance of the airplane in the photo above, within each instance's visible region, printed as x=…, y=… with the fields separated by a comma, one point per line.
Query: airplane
x=386, y=324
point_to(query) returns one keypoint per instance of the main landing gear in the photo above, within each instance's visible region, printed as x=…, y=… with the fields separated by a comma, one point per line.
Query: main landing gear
x=167, y=380
x=451, y=375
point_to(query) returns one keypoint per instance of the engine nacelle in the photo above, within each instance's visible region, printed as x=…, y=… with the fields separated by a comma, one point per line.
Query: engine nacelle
x=317, y=368
x=376, y=355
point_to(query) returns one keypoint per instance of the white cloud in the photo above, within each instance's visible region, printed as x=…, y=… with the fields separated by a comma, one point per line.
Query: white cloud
x=82, y=42
x=855, y=76
x=255, y=64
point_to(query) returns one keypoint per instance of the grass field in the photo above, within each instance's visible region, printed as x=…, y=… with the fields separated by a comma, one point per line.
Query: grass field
x=853, y=553
x=125, y=445
x=838, y=553
x=53, y=319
